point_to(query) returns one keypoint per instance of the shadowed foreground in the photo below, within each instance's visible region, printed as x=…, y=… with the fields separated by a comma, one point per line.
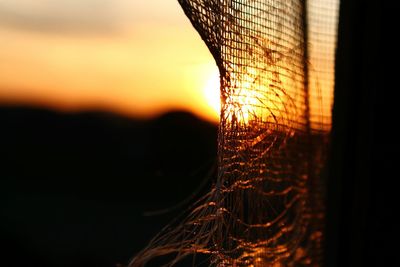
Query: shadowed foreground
x=74, y=187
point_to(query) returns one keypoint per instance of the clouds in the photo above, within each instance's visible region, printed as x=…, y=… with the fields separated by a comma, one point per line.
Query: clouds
x=60, y=16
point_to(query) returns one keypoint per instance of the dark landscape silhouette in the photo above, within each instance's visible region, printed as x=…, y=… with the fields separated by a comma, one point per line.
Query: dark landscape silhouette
x=74, y=187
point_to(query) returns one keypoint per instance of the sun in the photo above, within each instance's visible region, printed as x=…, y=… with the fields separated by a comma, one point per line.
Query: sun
x=212, y=92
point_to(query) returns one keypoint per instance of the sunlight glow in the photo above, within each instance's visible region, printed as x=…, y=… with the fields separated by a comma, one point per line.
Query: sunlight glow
x=244, y=103
x=254, y=96
x=212, y=92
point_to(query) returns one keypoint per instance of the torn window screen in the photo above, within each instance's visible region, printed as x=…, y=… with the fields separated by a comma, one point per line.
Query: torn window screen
x=275, y=60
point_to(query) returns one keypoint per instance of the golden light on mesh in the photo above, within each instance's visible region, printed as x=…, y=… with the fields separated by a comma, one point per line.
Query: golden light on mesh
x=242, y=101
x=253, y=98
x=246, y=102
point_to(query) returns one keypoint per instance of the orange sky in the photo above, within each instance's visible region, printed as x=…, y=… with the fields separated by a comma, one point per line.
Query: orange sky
x=134, y=57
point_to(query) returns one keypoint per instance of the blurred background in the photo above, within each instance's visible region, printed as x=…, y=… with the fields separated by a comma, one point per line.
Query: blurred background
x=108, y=111
x=138, y=58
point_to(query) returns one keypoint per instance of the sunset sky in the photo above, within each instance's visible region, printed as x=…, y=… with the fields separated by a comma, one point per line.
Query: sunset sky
x=133, y=57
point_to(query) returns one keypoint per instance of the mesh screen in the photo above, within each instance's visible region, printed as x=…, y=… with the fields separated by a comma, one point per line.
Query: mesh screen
x=275, y=59
x=322, y=29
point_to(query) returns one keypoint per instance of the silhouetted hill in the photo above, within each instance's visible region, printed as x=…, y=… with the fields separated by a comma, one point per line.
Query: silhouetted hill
x=74, y=186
